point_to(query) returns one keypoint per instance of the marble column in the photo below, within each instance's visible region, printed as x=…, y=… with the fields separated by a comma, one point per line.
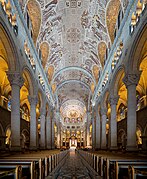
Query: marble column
x=88, y=128
x=93, y=130
x=103, y=122
x=113, y=123
x=43, y=128
x=53, y=133
x=59, y=136
x=131, y=81
x=16, y=82
x=98, y=130
x=84, y=138
x=80, y=139
x=33, y=123
x=48, y=131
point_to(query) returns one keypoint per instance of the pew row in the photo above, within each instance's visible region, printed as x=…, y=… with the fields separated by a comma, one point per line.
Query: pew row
x=14, y=172
x=37, y=167
x=116, y=167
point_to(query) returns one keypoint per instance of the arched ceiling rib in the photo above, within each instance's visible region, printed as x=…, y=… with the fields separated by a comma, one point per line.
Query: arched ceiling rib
x=74, y=69
x=72, y=81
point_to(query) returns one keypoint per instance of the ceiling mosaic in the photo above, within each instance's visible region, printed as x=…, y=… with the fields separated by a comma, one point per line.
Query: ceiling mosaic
x=73, y=36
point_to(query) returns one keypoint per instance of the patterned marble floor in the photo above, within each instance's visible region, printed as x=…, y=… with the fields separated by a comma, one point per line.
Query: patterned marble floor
x=73, y=168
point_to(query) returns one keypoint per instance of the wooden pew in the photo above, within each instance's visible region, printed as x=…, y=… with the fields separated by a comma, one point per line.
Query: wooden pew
x=46, y=163
x=9, y=173
x=34, y=168
x=137, y=172
x=118, y=168
x=30, y=168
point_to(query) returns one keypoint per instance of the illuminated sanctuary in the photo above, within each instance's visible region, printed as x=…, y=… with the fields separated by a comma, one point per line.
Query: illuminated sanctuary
x=73, y=73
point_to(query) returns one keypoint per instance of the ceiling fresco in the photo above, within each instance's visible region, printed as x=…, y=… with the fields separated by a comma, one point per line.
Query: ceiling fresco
x=73, y=36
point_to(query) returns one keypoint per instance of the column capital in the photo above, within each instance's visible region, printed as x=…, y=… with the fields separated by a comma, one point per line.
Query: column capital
x=43, y=111
x=48, y=113
x=88, y=113
x=113, y=100
x=131, y=79
x=15, y=78
x=33, y=100
x=103, y=111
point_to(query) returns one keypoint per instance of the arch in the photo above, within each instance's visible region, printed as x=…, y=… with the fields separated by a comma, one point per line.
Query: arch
x=112, y=11
x=5, y=84
x=139, y=46
x=10, y=47
x=117, y=79
x=98, y=108
x=44, y=47
x=30, y=81
x=25, y=138
x=34, y=11
x=41, y=99
x=73, y=68
x=72, y=81
x=102, y=47
x=104, y=101
x=121, y=139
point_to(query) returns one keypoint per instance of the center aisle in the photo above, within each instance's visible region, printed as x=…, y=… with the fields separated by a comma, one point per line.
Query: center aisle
x=74, y=168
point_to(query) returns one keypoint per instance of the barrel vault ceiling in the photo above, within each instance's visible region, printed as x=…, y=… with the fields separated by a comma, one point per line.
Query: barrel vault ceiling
x=72, y=36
